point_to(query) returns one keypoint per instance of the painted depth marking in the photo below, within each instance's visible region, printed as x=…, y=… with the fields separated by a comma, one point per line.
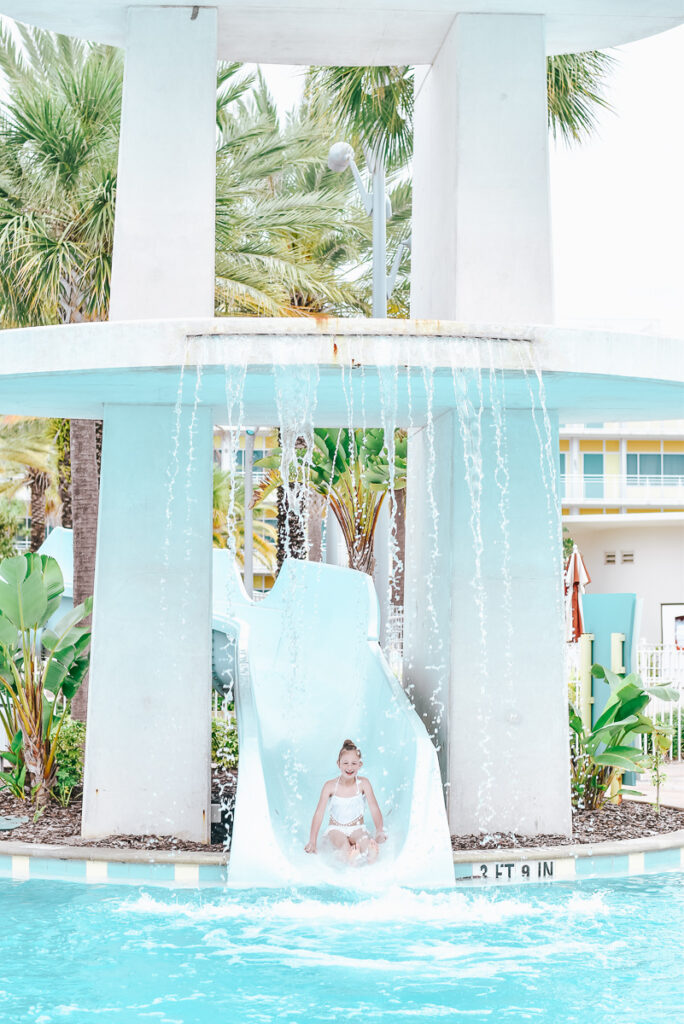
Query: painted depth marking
x=525, y=871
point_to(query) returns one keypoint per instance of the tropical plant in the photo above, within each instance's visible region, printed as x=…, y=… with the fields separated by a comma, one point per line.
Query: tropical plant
x=575, y=86
x=27, y=460
x=599, y=755
x=41, y=667
x=224, y=743
x=353, y=471
x=229, y=520
x=69, y=757
x=10, y=518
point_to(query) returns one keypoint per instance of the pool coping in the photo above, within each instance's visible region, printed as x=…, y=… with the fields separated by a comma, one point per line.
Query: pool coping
x=22, y=861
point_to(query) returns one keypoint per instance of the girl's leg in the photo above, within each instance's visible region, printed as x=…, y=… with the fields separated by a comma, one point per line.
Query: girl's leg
x=365, y=844
x=341, y=842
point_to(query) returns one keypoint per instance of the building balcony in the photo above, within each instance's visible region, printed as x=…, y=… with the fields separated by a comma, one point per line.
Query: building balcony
x=664, y=489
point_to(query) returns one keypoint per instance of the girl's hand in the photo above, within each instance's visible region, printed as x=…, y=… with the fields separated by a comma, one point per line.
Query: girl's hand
x=310, y=847
x=381, y=836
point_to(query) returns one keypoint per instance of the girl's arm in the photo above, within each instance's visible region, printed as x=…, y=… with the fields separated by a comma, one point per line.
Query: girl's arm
x=318, y=818
x=376, y=813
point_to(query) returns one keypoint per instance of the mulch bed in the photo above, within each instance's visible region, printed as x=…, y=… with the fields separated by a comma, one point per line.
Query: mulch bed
x=62, y=826
x=628, y=820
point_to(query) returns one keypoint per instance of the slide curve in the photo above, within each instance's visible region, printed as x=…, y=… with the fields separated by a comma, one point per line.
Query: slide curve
x=307, y=672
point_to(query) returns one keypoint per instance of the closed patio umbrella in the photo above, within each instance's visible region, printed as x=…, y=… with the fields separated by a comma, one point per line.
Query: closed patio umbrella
x=576, y=579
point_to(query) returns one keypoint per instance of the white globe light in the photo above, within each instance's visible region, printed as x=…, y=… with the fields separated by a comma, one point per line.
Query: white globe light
x=340, y=156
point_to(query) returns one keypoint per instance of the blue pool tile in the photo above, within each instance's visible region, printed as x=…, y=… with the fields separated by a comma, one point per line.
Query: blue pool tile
x=5, y=866
x=463, y=870
x=607, y=865
x=140, y=872
x=216, y=873
x=660, y=860
x=52, y=867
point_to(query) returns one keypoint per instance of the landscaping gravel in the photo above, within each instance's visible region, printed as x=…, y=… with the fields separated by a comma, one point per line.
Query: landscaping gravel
x=628, y=820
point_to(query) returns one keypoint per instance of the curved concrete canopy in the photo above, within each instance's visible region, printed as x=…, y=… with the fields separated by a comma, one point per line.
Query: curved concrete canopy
x=361, y=31
x=588, y=375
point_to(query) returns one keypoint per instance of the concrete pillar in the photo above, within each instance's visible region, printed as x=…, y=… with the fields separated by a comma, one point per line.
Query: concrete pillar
x=484, y=624
x=148, y=739
x=163, y=261
x=149, y=747
x=481, y=240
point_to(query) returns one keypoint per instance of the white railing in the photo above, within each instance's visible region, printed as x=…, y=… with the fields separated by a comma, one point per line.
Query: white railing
x=658, y=489
x=664, y=664
x=656, y=664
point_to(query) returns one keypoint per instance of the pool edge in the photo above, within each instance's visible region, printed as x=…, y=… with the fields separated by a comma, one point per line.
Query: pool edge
x=181, y=868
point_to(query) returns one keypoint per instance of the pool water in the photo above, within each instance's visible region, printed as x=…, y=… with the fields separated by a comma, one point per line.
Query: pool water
x=593, y=952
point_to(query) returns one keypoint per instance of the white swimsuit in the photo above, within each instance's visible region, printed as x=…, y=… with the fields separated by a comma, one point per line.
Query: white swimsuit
x=346, y=812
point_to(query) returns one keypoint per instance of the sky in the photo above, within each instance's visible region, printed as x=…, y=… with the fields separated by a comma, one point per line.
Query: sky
x=617, y=200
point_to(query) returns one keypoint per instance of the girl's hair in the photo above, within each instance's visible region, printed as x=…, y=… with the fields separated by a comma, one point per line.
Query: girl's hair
x=347, y=746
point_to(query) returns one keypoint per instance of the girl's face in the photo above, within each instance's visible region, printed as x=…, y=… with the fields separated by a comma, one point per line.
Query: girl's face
x=349, y=764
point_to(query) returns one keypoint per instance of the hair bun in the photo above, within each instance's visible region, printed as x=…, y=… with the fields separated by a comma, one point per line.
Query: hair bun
x=346, y=747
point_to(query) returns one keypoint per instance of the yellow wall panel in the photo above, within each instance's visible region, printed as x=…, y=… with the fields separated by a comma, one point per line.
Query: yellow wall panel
x=564, y=445
x=612, y=446
x=591, y=446
x=643, y=446
x=673, y=446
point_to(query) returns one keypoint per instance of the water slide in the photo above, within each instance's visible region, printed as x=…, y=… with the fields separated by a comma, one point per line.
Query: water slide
x=307, y=672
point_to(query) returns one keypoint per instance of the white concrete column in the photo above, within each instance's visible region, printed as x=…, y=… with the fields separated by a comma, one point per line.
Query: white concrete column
x=148, y=739
x=481, y=239
x=163, y=262
x=484, y=627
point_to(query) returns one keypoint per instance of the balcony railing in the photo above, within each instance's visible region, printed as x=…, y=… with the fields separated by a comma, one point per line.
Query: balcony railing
x=660, y=489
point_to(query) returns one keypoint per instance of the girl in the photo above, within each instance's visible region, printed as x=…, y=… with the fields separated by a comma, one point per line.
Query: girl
x=346, y=830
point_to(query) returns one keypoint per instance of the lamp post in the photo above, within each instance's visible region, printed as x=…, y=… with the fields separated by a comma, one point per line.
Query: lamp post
x=377, y=205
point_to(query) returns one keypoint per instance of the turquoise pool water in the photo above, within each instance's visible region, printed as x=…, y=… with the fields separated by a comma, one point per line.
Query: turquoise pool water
x=595, y=952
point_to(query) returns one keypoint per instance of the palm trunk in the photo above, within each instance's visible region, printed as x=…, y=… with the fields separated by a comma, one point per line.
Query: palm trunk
x=38, y=484
x=63, y=441
x=85, y=497
x=316, y=503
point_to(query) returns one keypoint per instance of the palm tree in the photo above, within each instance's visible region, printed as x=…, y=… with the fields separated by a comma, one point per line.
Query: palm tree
x=229, y=521
x=281, y=231
x=27, y=460
x=58, y=155
x=350, y=471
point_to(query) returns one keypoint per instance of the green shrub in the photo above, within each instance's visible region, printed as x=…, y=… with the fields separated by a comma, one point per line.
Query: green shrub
x=224, y=743
x=69, y=758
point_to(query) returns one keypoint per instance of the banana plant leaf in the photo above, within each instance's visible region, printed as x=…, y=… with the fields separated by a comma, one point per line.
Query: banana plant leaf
x=626, y=763
x=30, y=590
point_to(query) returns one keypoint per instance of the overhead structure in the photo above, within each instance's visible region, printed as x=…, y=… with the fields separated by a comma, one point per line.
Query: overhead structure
x=481, y=255
x=360, y=31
